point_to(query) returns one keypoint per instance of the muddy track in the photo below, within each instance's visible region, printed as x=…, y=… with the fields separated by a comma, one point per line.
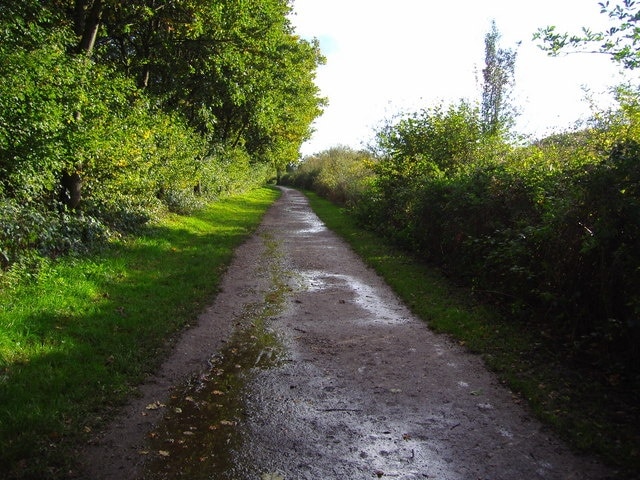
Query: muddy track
x=307, y=366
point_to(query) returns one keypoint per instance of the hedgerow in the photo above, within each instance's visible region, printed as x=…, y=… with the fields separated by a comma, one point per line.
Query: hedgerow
x=549, y=231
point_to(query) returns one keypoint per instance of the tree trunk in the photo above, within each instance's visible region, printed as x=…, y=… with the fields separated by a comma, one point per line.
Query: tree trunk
x=88, y=18
x=71, y=190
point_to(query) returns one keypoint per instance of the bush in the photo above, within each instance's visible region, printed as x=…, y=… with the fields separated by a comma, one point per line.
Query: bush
x=339, y=174
x=550, y=231
x=182, y=202
x=28, y=234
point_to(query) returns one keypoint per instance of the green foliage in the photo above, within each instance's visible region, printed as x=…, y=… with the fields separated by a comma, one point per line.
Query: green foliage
x=620, y=41
x=436, y=139
x=177, y=103
x=339, y=174
x=24, y=229
x=549, y=231
x=421, y=148
x=24, y=24
x=34, y=111
x=498, y=76
x=238, y=74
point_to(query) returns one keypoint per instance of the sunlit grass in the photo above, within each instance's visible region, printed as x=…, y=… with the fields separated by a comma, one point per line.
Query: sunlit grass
x=77, y=340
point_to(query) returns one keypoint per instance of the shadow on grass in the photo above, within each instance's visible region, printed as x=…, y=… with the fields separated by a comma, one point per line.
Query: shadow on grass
x=79, y=340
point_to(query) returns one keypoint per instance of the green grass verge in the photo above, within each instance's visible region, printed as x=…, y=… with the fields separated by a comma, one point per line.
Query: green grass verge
x=592, y=414
x=76, y=341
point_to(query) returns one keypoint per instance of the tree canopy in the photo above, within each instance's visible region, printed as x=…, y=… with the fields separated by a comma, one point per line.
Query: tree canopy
x=107, y=104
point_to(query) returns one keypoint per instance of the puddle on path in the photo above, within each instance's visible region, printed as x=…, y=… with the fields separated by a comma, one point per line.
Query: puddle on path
x=202, y=425
x=313, y=224
x=310, y=223
x=365, y=296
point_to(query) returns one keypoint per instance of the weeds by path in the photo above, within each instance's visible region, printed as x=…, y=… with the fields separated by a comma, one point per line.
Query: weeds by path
x=75, y=341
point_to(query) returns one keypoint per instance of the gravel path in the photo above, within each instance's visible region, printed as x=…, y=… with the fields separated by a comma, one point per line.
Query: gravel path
x=363, y=390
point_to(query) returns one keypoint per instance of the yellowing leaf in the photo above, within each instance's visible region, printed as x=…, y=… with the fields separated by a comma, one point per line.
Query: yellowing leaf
x=271, y=476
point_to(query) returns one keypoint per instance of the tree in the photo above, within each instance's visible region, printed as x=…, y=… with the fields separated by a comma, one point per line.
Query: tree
x=233, y=74
x=235, y=70
x=498, y=79
x=432, y=140
x=621, y=41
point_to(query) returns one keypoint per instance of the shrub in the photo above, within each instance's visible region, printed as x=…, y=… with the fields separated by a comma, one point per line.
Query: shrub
x=28, y=234
x=550, y=231
x=339, y=174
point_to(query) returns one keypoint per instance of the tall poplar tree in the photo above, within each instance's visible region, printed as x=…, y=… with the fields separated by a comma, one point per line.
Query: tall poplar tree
x=498, y=80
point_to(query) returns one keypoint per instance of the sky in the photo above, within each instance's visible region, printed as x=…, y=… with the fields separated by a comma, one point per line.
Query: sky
x=385, y=57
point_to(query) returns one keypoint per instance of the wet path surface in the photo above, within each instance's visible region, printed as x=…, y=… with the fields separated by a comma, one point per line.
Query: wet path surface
x=330, y=376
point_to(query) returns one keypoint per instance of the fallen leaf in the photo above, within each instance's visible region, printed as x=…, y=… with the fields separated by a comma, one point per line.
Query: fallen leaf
x=143, y=452
x=163, y=453
x=154, y=406
x=177, y=410
x=227, y=422
x=271, y=476
x=217, y=392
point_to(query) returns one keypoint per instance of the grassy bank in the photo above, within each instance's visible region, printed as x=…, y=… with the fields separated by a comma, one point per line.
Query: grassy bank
x=593, y=414
x=76, y=340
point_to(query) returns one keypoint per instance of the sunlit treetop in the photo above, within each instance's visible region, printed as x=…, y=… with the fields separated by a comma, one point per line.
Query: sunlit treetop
x=621, y=41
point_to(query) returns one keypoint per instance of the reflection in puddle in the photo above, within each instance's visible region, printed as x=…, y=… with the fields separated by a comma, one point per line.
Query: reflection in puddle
x=365, y=296
x=314, y=224
x=301, y=213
